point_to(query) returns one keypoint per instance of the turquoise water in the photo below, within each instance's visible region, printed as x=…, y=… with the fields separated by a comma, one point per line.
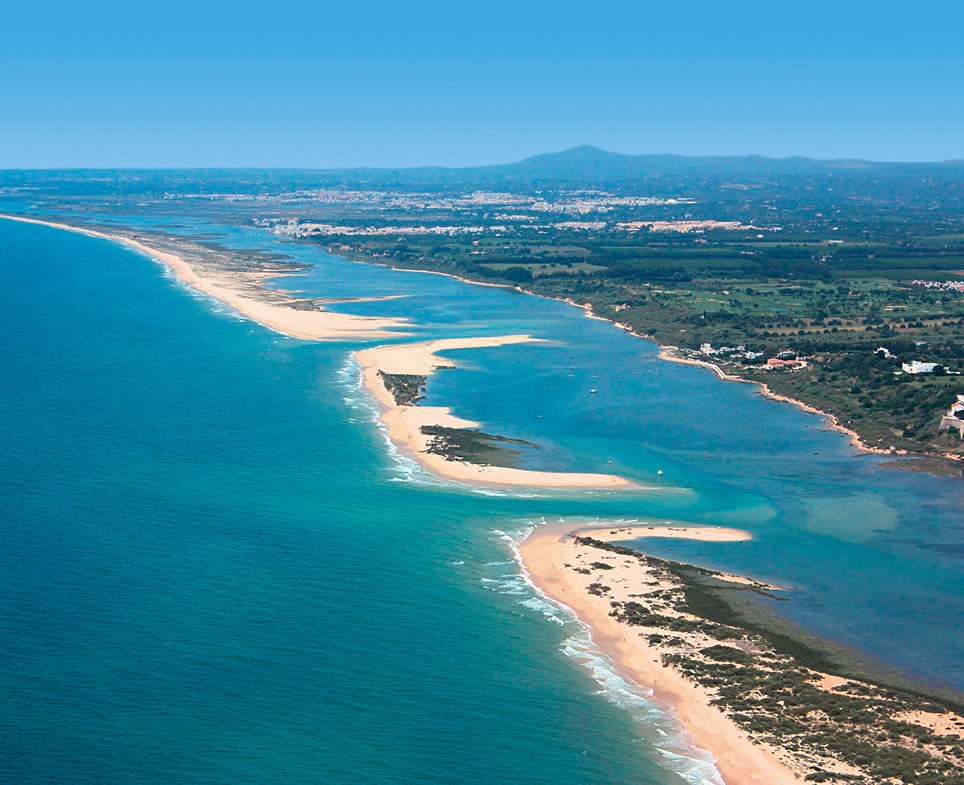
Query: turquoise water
x=215, y=569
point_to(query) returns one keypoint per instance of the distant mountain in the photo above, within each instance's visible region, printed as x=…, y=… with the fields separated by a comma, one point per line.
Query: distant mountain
x=589, y=165
x=578, y=167
x=580, y=162
x=589, y=162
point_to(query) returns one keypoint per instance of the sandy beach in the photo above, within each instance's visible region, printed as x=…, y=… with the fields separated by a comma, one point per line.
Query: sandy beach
x=404, y=423
x=551, y=557
x=245, y=292
x=766, y=716
x=608, y=533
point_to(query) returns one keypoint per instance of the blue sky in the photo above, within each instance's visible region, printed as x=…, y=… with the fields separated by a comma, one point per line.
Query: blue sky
x=400, y=84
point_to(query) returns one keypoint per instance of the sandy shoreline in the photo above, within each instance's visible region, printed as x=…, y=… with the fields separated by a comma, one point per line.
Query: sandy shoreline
x=245, y=293
x=666, y=531
x=767, y=709
x=404, y=423
x=615, y=533
x=549, y=555
x=278, y=310
x=666, y=353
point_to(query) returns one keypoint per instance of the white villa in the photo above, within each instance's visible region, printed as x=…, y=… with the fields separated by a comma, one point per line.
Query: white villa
x=915, y=366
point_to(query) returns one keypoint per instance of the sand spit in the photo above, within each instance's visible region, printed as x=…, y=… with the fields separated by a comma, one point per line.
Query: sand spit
x=244, y=291
x=671, y=532
x=668, y=531
x=552, y=557
x=405, y=422
x=767, y=718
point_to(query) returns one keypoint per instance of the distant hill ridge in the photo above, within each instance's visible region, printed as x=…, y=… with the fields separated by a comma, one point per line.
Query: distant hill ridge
x=591, y=162
x=585, y=166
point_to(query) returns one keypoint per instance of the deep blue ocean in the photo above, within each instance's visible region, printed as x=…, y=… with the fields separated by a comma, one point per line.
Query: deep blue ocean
x=215, y=569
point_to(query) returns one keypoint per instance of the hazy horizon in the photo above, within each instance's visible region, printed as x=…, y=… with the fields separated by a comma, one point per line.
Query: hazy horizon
x=430, y=165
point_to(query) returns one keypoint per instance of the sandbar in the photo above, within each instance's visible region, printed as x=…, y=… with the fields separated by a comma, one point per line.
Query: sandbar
x=550, y=554
x=245, y=293
x=765, y=702
x=610, y=533
x=405, y=423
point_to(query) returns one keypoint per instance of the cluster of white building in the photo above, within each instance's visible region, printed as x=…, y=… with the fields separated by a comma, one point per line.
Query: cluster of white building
x=733, y=352
x=574, y=202
x=295, y=228
x=944, y=286
x=580, y=226
x=579, y=202
x=683, y=227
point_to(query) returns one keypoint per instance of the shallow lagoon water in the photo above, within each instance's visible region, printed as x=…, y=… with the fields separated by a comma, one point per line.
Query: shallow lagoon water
x=216, y=570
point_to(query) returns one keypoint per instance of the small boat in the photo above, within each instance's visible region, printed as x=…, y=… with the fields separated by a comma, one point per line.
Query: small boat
x=593, y=390
x=660, y=473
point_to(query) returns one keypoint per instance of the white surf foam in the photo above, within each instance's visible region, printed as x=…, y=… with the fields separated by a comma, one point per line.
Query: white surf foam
x=403, y=468
x=658, y=725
